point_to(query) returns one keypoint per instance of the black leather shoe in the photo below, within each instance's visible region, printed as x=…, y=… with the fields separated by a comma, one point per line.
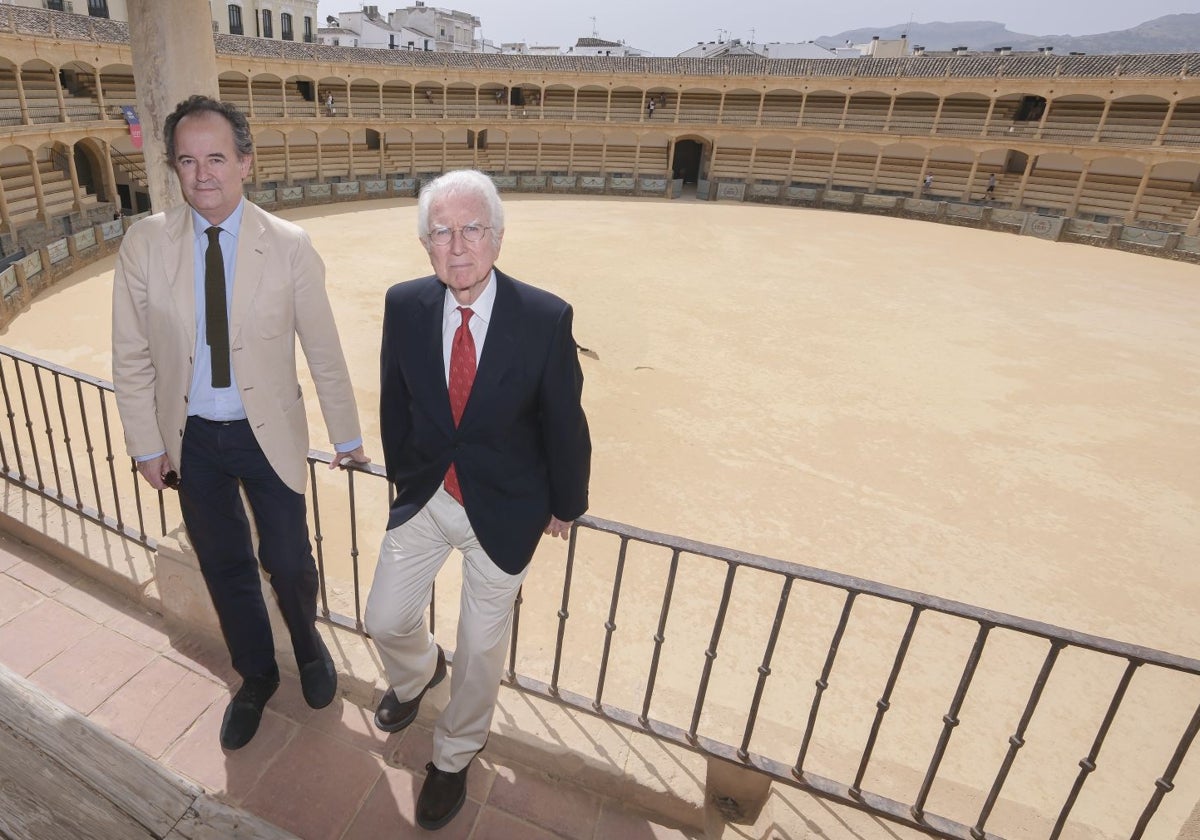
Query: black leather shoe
x=245, y=710
x=442, y=796
x=318, y=679
x=393, y=715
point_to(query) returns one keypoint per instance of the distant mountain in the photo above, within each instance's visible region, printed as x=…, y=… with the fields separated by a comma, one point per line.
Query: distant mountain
x=1167, y=34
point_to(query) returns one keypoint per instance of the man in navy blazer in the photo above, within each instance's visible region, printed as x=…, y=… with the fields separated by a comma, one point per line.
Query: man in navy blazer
x=487, y=446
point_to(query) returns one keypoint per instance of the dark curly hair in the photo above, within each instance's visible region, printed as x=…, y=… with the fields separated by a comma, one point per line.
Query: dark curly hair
x=199, y=103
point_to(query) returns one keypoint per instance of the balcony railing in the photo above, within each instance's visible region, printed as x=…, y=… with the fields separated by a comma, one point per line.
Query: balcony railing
x=948, y=718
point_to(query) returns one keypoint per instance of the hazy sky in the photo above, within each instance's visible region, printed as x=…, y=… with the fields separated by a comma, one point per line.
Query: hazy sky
x=669, y=28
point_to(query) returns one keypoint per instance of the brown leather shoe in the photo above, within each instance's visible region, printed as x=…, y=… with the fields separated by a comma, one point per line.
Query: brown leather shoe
x=393, y=715
x=442, y=796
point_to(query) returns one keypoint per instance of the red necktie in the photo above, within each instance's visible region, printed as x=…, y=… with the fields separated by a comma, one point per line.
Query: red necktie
x=462, y=377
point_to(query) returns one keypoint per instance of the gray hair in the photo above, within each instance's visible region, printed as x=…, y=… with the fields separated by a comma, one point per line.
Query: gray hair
x=243, y=141
x=466, y=182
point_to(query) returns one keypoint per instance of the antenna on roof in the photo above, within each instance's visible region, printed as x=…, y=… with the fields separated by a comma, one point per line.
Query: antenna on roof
x=595, y=32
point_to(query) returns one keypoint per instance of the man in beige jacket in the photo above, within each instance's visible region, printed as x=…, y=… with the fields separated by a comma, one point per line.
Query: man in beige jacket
x=208, y=301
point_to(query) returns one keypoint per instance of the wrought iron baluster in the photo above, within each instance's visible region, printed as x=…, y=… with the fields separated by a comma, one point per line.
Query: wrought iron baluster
x=137, y=500
x=62, y=414
x=1017, y=739
x=563, y=614
x=884, y=703
x=1088, y=763
x=37, y=462
x=511, y=671
x=108, y=456
x=710, y=653
x=823, y=682
x=1166, y=783
x=764, y=669
x=610, y=625
x=91, y=450
x=358, y=609
x=319, y=537
x=659, y=637
x=41, y=390
x=8, y=409
x=950, y=720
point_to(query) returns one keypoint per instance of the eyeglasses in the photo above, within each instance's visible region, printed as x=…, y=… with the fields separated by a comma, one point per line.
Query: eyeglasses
x=444, y=235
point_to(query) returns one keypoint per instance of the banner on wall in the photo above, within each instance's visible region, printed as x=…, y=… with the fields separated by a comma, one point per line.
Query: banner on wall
x=135, y=126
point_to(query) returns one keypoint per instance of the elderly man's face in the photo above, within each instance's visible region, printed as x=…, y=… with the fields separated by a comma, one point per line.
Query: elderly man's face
x=463, y=266
x=209, y=167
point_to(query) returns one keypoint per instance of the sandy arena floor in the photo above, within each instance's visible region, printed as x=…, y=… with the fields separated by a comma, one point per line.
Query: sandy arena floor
x=1001, y=420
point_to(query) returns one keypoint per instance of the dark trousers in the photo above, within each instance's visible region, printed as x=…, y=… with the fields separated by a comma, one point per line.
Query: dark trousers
x=219, y=458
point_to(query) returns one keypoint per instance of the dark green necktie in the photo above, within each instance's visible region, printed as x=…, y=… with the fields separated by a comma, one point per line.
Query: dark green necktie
x=216, y=317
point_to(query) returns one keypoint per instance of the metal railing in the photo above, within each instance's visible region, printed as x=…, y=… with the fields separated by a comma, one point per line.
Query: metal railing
x=951, y=719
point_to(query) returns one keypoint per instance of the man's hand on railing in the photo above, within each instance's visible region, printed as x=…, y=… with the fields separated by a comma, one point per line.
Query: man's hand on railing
x=356, y=456
x=155, y=471
x=558, y=528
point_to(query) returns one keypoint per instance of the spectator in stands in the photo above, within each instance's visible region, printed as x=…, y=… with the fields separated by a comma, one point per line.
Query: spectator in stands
x=209, y=398
x=330, y=109
x=650, y=106
x=927, y=184
x=990, y=192
x=486, y=475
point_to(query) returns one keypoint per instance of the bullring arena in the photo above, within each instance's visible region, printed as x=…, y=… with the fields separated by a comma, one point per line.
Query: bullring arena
x=997, y=419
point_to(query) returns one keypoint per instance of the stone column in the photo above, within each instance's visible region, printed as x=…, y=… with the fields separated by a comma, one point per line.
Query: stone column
x=170, y=63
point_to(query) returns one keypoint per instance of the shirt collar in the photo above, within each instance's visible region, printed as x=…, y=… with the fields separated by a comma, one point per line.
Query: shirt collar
x=482, y=305
x=231, y=224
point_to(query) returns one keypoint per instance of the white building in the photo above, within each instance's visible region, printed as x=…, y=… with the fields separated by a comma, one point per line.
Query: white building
x=452, y=30
x=366, y=28
x=805, y=49
x=281, y=20
x=729, y=47
x=599, y=46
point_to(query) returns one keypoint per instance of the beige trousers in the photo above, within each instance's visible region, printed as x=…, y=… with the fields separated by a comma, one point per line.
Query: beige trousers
x=409, y=559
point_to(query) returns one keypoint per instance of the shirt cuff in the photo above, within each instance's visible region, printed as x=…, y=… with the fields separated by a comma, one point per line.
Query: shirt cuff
x=347, y=447
x=140, y=458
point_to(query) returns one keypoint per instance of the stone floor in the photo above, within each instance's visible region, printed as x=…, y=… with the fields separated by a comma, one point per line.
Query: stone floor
x=322, y=775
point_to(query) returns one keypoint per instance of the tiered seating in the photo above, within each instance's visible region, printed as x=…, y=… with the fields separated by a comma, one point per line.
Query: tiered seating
x=41, y=96
x=772, y=164
x=1107, y=196
x=558, y=103
x=398, y=158
x=303, y=163
x=118, y=90
x=667, y=104
x=556, y=156
x=366, y=162
x=914, y=114
x=591, y=105
x=620, y=159
x=364, y=100
x=588, y=158
x=823, y=110
x=427, y=157
x=1050, y=190
x=854, y=172
x=236, y=90
x=397, y=100
x=295, y=102
x=1136, y=123
x=653, y=160
x=269, y=164
x=949, y=177
x=626, y=106
x=781, y=107
x=521, y=157
x=268, y=97
x=901, y=176
x=963, y=116
x=740, y=109
x=699, y=106
x=132, y=164
x=460, y=102
x=21, y=196
x=730, y=162
x=458, y=156
x=1184, y=128
x=428, y=104
x=868, y=112
x=1072, y=120
x=811, y=168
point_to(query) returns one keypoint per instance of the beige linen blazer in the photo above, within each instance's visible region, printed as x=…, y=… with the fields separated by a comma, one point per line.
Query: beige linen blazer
x=278, y=295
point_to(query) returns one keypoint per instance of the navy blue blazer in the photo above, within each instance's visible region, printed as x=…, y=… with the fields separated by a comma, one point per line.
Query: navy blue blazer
x=522, y=450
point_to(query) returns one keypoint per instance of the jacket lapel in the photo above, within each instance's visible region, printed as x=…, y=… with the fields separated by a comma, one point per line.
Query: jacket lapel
x=248, y=273
x=180, y=260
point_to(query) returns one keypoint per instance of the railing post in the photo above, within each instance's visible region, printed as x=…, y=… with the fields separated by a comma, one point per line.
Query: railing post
x=737, y=793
